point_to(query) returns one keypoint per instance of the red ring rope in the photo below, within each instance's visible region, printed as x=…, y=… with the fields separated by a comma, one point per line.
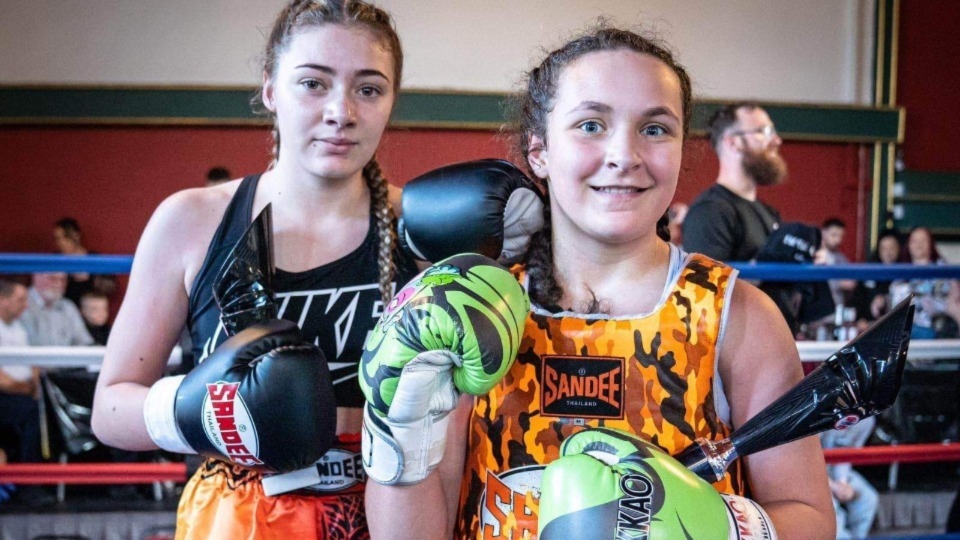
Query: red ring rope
x=140, y=473
x=92, y=473
x=904, y=453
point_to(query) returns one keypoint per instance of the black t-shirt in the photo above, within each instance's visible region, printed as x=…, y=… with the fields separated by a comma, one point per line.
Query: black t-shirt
x=336, y=305
x=727, y=227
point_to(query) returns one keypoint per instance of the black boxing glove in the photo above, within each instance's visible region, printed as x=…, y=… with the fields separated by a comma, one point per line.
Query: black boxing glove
x=487, y=206
x=263, y=400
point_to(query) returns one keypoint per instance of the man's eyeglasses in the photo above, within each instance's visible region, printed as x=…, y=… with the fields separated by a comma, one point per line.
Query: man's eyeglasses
x=768, y=132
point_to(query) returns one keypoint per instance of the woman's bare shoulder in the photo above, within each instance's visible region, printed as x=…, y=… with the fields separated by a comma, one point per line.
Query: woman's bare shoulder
x=183, y=224
x=194, y=211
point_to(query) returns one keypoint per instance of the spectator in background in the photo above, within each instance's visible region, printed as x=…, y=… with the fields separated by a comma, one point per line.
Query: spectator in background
x=937, y=301
x=218, y=175
x=831, y=233
x=854, y=500
x=727, y=222
x=676, y=213
x=51, y=319
x=68, y=239
x=19, y=409
x=800, y=302
x=95, y=309
x=871, y=297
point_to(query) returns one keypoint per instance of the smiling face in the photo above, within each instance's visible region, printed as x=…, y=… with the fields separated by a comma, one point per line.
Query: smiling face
x=332, y=93
x=613, y=145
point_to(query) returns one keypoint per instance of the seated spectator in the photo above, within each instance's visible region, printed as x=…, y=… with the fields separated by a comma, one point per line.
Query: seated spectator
x=800, y=302
x=51, y=319
x=217, y=176
x=95, y=309
x=854, y=499
x=19, y=409
x=727, y=222
x=67, y=237
x=871, y=297
x=832, y=232
x=937, y=301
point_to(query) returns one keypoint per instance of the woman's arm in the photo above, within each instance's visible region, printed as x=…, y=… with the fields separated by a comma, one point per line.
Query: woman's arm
x=427, y=509
x=758, y=363
x=150, y=320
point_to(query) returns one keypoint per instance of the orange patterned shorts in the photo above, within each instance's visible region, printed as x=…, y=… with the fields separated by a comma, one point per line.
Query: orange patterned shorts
x=225, y=501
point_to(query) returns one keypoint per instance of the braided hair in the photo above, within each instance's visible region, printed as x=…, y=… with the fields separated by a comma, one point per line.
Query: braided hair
x=386, y=232
x=307, y=13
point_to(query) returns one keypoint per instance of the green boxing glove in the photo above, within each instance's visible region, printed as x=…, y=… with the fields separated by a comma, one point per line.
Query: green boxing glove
x=454, y=328
x=608, y=485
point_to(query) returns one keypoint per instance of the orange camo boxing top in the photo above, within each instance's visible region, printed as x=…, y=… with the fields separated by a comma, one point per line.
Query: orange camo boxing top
x=653, y=375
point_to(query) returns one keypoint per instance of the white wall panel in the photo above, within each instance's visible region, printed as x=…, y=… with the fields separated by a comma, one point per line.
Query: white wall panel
x=781, y=50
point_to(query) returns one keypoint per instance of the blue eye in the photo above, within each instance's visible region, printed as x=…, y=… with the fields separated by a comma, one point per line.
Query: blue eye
x=590, y=126
x=654, y=130
x=370, y=91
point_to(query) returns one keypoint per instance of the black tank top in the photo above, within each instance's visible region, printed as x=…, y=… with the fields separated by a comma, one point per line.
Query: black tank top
x=336, y=305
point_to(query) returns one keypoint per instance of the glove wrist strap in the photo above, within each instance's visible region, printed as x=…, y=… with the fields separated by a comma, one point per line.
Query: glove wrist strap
x=160, y=416
x=402, y=453
x=747, y=519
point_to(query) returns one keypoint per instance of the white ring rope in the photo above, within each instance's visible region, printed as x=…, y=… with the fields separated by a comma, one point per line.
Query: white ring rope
x=64, y=357
x=921, y=350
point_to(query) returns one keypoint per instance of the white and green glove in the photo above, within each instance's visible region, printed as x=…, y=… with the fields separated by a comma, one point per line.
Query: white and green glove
x=609, y=485
x=454, y=328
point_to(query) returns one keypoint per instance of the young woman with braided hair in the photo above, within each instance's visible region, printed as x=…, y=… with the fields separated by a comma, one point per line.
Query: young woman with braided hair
x=631, y=346
x=331, y=76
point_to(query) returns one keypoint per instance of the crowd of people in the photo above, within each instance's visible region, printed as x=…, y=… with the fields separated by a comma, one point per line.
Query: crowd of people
x=601, y=130
x=53, y=309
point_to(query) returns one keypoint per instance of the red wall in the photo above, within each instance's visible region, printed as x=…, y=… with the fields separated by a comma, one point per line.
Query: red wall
x=111, y=178
x=928, y=83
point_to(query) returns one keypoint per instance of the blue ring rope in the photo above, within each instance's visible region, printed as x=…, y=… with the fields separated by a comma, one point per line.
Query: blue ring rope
x=27, y=263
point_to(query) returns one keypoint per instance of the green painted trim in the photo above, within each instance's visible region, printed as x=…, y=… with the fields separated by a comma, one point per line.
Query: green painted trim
x=882, y=207
x=415, y=109
x=464, y=109
x=928, y=199
x=72, y=105
x=934, y=215
x=888, y=17
x=928, y=184
x=931, y=199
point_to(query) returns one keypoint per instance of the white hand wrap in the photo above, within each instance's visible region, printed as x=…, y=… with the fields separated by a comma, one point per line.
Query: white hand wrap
x=406, y=445
x=748, y=520
x=160, y=417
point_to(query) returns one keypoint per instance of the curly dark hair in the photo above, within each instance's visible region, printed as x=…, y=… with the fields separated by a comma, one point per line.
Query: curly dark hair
x=531, y=108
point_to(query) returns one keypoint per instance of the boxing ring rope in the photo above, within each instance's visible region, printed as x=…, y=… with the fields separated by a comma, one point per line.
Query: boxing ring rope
x=810, y=351
x=92, y=473
x=143, y=473
x=27, y=263
x=65, y=357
